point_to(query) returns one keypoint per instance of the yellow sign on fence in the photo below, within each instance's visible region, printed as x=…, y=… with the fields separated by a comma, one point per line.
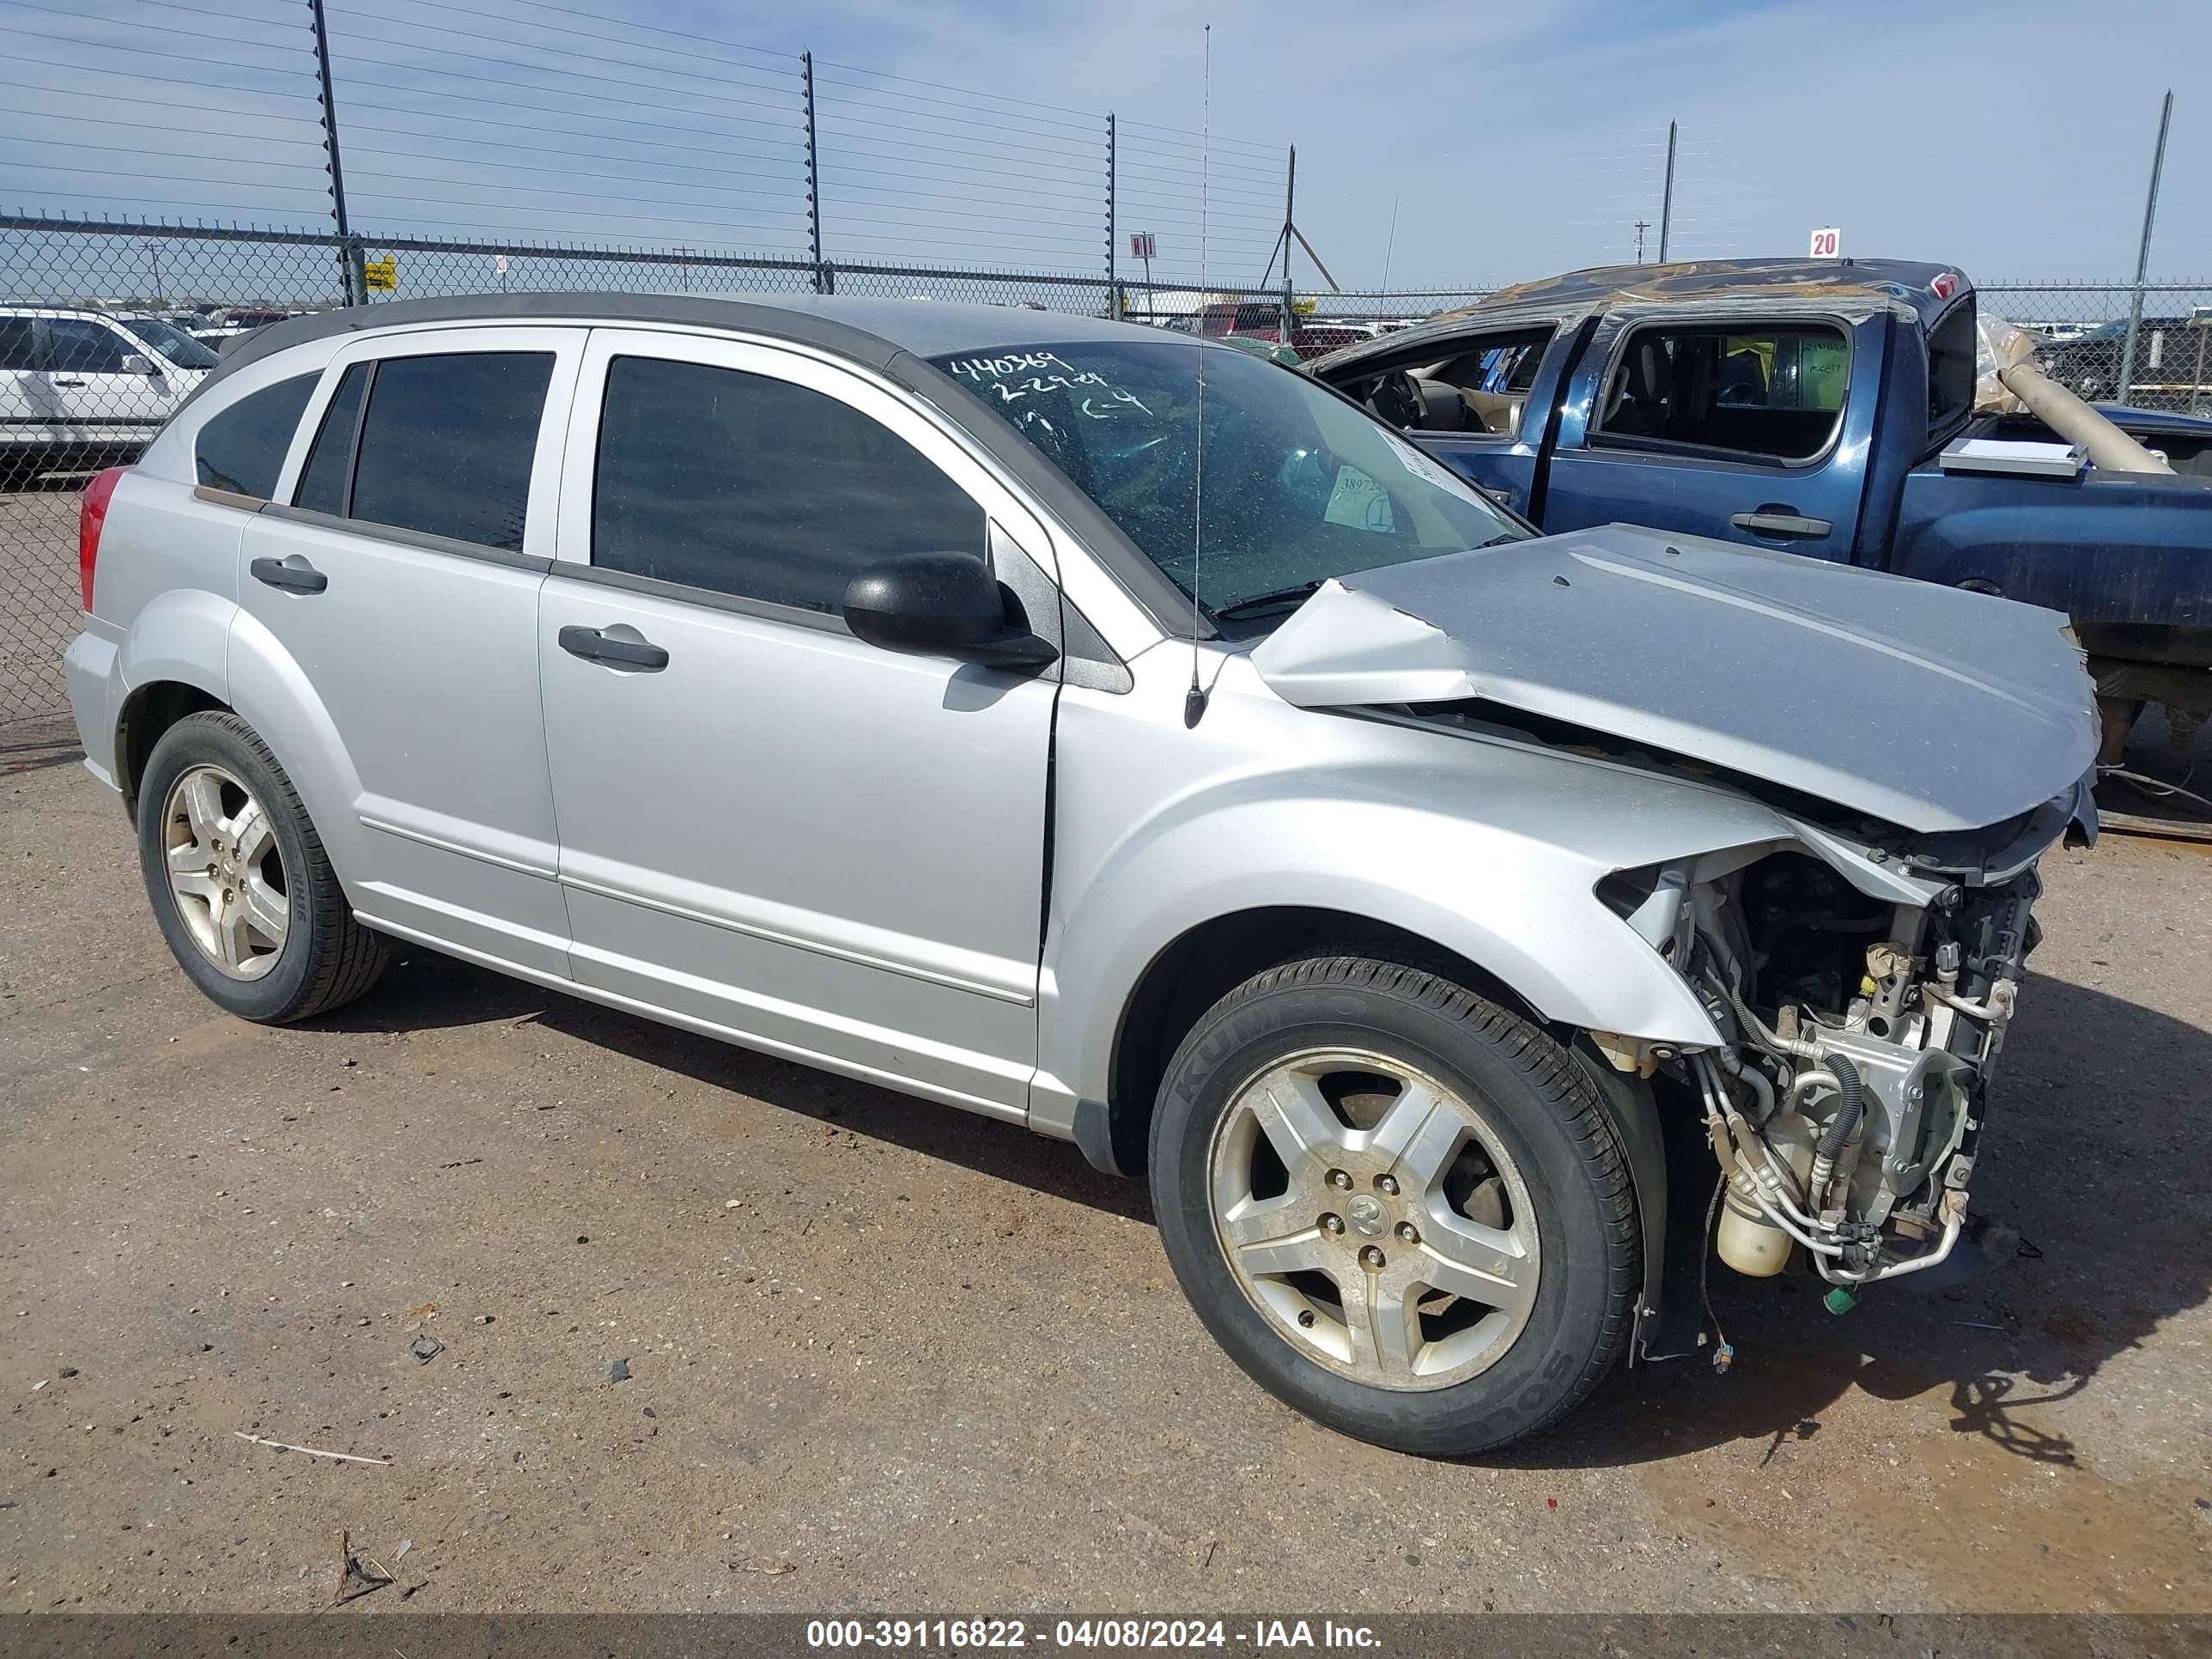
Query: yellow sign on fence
x=381, y=275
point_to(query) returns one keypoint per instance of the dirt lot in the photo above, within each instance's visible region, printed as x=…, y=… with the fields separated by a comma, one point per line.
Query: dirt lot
x=882, y=1355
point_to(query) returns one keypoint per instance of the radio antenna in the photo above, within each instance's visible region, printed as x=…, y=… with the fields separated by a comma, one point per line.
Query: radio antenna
x=1193, y=701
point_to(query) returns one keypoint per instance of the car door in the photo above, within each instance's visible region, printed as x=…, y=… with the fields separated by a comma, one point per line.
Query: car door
x=1750, y=428
x=769, y=829
x=401, y=575
x=98, y=396
x=21, y=424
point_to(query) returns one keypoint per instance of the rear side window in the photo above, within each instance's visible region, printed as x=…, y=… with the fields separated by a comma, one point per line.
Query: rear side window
x=746, y=485
x=443, y=446
x=242, y=449
x=1758, y=390
x=18, y=344
x=328, y=475
x=81, y=346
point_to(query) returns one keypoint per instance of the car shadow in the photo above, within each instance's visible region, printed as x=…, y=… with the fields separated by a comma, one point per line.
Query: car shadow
x=2093, y=1141
x=424, y=991
x=2097, y=1133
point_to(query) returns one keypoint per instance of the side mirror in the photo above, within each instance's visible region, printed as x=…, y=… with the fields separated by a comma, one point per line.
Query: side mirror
x=138, y=363
x=940, y=604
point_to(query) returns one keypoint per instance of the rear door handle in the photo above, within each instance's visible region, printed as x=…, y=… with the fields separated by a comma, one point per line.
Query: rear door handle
x=69, y=383
x=300, y=578
x=1780, y=523
x=593, y=646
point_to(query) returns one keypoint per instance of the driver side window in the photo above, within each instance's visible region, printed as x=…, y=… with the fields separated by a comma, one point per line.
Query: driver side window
x=1481, y=389
x=743, y=484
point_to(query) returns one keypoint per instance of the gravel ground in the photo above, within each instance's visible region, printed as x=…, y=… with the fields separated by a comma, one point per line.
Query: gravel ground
x=881, y=1355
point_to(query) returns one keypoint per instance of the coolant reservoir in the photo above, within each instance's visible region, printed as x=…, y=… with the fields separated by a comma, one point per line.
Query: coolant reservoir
x=1746, y=1239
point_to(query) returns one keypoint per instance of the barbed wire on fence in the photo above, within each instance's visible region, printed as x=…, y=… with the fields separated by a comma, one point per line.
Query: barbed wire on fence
x=528, y=117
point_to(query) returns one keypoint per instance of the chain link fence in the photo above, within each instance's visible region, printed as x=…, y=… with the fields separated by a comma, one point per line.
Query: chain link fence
x=2087, y=326
x=106, y=327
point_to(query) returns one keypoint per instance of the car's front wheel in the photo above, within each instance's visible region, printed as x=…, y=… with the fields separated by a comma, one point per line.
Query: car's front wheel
x=240, y=885
x=1398, y=1206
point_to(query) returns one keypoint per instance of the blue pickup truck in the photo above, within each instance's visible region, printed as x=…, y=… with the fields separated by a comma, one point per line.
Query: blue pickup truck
x=1805, y=405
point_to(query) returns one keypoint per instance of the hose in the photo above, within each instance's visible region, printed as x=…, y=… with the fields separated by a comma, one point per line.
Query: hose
x=1851, y=1107
x=1765, y=1187
x=2153, y=785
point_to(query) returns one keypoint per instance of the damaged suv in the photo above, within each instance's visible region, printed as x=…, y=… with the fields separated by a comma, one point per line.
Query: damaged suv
x=1101, y=730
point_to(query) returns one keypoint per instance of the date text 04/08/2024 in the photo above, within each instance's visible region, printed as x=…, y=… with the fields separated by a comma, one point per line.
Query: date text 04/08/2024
x=1119, y=1633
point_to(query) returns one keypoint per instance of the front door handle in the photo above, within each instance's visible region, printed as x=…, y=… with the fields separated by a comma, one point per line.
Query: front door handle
x=593, y=646
x=1780, y=522
x=69, y=383
x=300, y=578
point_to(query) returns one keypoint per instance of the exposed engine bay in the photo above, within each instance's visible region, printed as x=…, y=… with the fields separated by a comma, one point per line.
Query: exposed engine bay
x=1844, y=1110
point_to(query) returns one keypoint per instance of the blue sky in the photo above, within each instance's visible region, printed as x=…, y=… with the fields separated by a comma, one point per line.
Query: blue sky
x=2010, y=136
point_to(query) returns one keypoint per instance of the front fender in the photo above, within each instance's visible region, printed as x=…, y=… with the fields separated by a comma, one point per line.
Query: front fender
x=1499, y=868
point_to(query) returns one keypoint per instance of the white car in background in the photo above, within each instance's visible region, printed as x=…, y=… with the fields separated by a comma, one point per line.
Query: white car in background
x=80, y=388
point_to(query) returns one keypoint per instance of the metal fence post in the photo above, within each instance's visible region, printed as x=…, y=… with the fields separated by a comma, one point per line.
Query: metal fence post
x=1290, y=218
x=813, y=175
x=1667, y=202
x=2143, y=253
x=1113, y=283
x=352, y=275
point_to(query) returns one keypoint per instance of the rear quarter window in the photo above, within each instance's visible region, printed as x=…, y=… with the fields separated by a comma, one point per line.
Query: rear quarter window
x=242, y=448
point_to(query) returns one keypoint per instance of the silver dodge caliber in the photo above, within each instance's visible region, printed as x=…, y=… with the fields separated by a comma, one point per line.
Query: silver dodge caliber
x=1129, y=737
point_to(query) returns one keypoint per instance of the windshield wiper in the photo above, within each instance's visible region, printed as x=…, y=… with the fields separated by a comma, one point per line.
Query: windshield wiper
x=1274, y=599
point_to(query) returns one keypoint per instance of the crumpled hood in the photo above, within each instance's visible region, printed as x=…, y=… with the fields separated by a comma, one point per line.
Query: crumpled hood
x=1929, y=706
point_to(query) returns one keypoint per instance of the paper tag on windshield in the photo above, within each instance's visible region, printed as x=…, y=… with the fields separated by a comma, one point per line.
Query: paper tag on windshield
x=1359, y=502
x=1421, y=466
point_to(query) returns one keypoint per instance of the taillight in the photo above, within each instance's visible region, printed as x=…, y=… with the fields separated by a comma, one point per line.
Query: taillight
x=91, y=517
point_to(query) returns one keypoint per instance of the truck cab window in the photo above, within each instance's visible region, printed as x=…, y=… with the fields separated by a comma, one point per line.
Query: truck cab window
x=1775, y=393
x=1482, y=387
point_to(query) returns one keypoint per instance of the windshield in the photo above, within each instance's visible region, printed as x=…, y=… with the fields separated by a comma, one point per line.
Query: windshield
x=179, y=347
x=1299, y=484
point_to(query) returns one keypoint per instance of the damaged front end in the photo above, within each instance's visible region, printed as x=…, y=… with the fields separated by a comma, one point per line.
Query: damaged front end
x=1918, y=749
x=1860, y=1029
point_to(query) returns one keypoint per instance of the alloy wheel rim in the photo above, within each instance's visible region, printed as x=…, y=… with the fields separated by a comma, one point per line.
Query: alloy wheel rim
x=1370, y=1215
x=226, y=872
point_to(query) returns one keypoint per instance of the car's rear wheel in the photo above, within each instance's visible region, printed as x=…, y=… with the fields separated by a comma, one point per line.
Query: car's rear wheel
x=1400, y=1207
x=240, y=885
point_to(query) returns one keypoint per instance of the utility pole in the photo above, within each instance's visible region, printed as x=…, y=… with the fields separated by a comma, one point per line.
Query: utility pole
x=1642, y=225
x=351, y=273
x=1667, y=202
x=154, y=253
x=2143, y=253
